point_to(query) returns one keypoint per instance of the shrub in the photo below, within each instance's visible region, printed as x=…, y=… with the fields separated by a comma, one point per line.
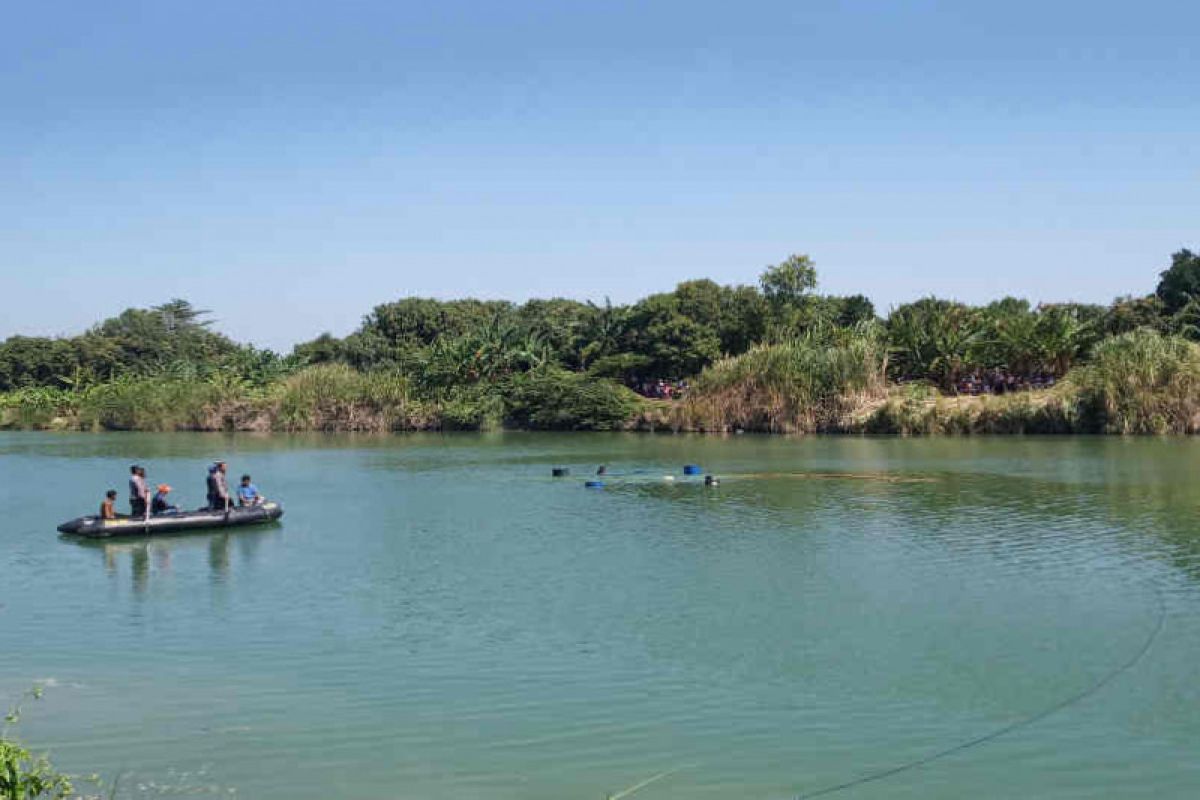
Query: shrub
x=554, y=399
x=24, y=776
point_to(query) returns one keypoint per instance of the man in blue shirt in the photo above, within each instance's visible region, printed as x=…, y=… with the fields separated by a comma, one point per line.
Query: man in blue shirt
x=248, y=493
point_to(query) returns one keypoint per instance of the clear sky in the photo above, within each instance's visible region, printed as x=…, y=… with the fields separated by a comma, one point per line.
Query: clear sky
x=290, y=165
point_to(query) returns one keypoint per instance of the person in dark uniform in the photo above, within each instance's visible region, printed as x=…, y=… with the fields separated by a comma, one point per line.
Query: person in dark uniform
x=139, y=492
x=218, y=487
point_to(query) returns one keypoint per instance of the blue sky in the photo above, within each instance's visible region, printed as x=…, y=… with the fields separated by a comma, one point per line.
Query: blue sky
x=290, y=165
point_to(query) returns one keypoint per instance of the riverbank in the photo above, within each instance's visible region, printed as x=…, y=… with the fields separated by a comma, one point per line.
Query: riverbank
x=1136, y=383
x=1152, y=400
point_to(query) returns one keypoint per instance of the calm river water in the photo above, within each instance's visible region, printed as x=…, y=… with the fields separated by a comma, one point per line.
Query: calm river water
x=437, y=617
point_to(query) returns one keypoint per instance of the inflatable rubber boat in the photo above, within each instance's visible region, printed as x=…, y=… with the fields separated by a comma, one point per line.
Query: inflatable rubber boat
x=174, y=522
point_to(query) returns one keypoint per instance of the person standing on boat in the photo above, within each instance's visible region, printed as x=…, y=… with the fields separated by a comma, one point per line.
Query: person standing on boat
x=218, y=487
x=139, y=492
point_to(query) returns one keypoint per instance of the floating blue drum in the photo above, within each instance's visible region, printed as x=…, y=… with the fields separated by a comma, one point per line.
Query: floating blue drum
x=594, y=484
x=691, y=469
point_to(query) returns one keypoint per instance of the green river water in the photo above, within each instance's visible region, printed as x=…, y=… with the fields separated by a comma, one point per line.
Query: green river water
x=437, y=617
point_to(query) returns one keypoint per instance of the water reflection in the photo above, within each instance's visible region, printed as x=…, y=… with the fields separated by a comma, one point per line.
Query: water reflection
x=152, y=559
x=1156, y=516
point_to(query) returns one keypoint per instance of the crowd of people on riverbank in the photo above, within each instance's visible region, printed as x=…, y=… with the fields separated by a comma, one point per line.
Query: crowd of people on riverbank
x=662, y=389
x=219, y=497
x=1000, y=382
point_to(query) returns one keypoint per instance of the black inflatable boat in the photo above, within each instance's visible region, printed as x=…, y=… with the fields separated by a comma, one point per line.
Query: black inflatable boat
x=98, y=528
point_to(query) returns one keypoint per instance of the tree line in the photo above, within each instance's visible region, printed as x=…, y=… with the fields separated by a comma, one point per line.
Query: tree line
x=440, y=345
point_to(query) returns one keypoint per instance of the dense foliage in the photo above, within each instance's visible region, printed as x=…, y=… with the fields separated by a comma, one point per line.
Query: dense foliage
x=776, y=356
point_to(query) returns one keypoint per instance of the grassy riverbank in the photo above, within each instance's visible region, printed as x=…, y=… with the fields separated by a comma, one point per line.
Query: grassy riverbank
x=327, y=397
x=777, y=357
x=1136, y=383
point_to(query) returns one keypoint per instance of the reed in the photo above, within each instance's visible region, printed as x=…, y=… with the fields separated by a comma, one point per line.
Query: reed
x=156, y=404
x=793, y=387
x=336, y=397
x=1141, y=382
x=917, y=410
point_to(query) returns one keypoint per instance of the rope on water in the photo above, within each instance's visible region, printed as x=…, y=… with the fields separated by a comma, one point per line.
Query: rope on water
x=643, y=784
x=1021, y=723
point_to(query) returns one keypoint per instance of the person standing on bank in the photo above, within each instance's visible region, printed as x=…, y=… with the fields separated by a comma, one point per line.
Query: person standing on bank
x=139, y=492
x=218, y=487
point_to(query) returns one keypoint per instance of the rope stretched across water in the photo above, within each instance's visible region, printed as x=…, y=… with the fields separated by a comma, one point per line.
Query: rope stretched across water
x=997, y=733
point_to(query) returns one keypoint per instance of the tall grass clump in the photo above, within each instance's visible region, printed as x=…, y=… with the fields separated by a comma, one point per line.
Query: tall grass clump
x=153, y=404
x=336, y=397
x=918, y=409
x=797, y=386
x=1141, y=382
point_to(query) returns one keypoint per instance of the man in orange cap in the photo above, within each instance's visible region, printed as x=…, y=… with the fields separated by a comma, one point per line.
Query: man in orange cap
x=159, y=504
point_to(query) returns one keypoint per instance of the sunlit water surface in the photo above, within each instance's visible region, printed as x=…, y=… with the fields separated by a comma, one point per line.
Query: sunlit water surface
x=437, y=617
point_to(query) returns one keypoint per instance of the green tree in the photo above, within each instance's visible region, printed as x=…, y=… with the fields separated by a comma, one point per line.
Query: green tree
x=603, y=330
x=36, y=361
x=1131, y=313
x=933, y=339
x=419, y=320
x=559, y=324
x=854, y=310
x=325, y=349
x=1179, y=283
x=673, y=344
x=736, y=315
x=787, y=283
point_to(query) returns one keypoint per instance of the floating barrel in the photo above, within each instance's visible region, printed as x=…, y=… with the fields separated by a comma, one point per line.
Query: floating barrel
x=594, y=484
x=691, y=469
x=560, y=472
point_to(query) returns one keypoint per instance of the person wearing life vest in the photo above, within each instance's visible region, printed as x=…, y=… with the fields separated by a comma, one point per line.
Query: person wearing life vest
x=139, y=492
x=159, y=504
x=218, y=487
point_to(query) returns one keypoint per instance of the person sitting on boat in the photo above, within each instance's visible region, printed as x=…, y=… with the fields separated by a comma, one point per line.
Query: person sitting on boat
x=159, y=504
x=248, y=493
x=218, y=487
x=139, y=492
x=108, y=506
